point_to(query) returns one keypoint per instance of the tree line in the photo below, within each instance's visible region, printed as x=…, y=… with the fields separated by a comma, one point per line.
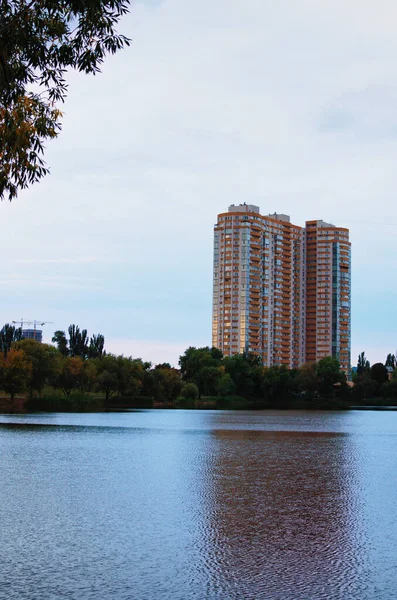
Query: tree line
x=77, y=372
x=376, y=381
x=79, y=366
x=243, y=376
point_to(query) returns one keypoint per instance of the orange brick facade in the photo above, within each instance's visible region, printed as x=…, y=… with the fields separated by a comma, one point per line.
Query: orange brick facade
x=279, y=290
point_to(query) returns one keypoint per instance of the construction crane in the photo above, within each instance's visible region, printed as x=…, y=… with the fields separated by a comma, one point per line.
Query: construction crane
x=24, y=322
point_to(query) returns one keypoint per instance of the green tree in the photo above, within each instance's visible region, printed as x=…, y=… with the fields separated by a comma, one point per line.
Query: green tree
x=166, y=383
x=276, y=383
x=39, y=42
x=120, y=374
x=8, y=335
x=88, y=376
x=194, y=362
x=78, y=341
x=225, y=386
x=253, y=359
x=328, y=374
x=209, y=379
x=379, y=373
x=241, y=368
x=15, y=370
x=363, y=364
x=390, y=361
x=68, y=375
x=307, y=380
x=130, y=376
x=59, y=338
x=163, y=366
x=107, y=375
x=389, y=389
x=96, y=347
x=44, y=360
x=190, y=391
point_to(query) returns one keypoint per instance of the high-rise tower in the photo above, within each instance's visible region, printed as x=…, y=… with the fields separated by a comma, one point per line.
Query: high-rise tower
x=328, y=292
x=270, y=281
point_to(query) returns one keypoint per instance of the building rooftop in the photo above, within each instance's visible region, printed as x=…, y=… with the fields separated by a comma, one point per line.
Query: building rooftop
x=244, y=208
x=279, y=217
x=322, y=223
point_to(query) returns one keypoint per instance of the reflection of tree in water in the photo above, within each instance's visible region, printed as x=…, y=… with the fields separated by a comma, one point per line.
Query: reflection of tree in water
x=284, y=518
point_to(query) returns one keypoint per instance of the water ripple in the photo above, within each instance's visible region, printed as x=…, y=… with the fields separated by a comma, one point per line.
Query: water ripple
x=175, y=508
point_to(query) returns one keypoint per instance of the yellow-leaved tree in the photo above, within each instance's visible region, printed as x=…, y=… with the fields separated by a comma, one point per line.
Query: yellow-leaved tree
x=39, y=42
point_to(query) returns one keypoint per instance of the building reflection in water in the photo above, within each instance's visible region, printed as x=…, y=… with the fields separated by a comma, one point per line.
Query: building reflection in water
x=282, y=517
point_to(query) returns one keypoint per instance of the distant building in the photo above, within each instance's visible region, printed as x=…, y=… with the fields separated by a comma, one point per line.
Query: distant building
x=281, y=291
x=33, y=334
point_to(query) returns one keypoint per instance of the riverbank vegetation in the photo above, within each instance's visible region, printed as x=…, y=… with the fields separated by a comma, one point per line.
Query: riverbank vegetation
x=77, y=374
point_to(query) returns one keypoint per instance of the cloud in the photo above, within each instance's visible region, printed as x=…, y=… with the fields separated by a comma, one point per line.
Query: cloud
x=23, y=281
x=290, y=106
x=58, y=261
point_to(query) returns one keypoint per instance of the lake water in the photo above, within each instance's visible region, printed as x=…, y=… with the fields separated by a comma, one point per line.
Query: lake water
x=199, y=504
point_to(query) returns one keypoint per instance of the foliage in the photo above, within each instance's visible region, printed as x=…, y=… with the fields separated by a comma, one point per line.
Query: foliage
x=362, y=364
x=391, y=361
x=74, y=402
x=214, y=374
x=88, y=376
x=107, y=375
x=194, y=364
x=307, y=382
x=182, y=402
x=276, y=384
x=389, y=389
x=8, y=335
x=120, y=374
x=96, y=347
x=59, y=338
x=68, y=376
x=125, y=402
x=241, y=368
x=226, y=386
x=130, y=375
x=379, y=373
x=44, y=361
x=78, y=343
x=39, y=42
x=206, y=379
x=167, y=384
x=190, y=391
x=232, y=402
x=365, y=388
x=15, y=371
x=328, y=375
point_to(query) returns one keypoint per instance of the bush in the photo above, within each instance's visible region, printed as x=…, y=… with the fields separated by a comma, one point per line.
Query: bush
x=190, y=391
x=232, y=403
x=75, y=402
x=226, y=386
x=129, y=402
x=389, y=389
x=182, y=402
x=379, y=373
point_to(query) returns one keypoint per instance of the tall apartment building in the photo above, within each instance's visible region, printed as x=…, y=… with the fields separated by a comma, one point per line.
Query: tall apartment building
x=280, y=291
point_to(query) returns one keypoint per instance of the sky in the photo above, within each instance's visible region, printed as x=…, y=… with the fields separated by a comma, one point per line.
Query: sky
x=287, y=105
